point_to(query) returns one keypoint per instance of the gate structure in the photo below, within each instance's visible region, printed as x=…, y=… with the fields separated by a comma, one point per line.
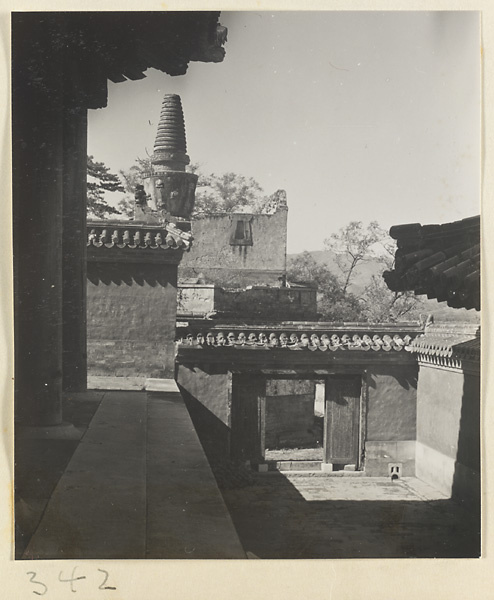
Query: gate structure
x=370, y=388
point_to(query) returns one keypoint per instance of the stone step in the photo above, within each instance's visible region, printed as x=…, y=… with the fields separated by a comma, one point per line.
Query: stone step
x=294, y=473
x=294, y=465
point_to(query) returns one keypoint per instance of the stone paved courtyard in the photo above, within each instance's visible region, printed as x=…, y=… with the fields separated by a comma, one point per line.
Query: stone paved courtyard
x=301, y=516
x=279, y=515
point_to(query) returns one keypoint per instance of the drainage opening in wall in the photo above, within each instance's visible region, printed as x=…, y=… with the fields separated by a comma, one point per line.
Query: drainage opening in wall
x=394, y=471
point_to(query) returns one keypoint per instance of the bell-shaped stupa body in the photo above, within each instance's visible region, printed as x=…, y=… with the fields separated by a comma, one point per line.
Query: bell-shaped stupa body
x=169, y=186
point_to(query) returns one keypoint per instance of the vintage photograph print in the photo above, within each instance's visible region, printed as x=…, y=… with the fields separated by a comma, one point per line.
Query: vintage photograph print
x=247, y=284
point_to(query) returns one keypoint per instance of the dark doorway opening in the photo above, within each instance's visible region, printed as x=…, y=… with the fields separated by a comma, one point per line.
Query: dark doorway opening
x=294, y=420
x=298, y=423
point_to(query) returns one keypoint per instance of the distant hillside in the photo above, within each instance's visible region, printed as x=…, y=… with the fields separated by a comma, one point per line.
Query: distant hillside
x=441, y=311
x=364, y=271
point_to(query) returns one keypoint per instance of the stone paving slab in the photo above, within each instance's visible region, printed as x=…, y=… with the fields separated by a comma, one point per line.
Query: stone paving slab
x=282, y=516
x=362, y=488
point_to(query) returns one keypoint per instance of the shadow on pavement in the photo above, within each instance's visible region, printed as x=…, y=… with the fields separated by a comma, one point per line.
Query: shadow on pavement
x=274, y=520
x=40, y=463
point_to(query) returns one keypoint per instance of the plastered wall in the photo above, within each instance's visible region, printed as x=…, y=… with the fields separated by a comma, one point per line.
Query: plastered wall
x=448, y=439
x=131, y=313
x=213, y=255
x=391, y=419
x=206, y=392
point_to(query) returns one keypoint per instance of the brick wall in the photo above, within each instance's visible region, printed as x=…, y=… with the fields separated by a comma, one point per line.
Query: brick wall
x=131, y=313
x=228, y=265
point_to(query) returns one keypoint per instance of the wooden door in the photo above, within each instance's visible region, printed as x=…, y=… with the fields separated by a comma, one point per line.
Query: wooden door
x=248, y=417
x=342, y=418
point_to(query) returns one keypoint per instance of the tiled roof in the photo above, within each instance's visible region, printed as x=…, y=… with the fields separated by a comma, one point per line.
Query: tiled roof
x=134, y=236
x=442, y=261
x=117, y=45
x=448, y=344
x=305, y=336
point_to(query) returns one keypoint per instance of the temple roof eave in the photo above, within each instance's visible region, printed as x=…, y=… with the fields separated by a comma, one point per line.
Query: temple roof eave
x=440, y=261
x=131, y=235
x=111, y=45
x=449, y=342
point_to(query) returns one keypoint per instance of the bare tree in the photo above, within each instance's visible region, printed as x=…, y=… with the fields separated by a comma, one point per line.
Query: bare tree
x=353, y=245
x=380, y=305
x=332, y=303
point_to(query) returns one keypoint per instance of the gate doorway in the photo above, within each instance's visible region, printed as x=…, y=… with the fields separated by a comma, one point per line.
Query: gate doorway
x=307, y=422
x=294, y=422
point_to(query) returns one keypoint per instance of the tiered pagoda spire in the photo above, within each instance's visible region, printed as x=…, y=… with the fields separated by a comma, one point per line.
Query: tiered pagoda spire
x=170, y=146
x=170, y=188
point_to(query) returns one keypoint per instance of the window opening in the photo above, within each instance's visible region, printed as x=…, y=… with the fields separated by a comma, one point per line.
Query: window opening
x=241, y=233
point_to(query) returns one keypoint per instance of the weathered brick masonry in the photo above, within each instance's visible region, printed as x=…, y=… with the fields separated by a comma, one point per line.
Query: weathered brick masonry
x=132, y=299
x=123, y=341
x=222, y=257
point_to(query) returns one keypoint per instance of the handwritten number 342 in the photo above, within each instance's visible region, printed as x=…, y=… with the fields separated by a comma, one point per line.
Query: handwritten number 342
x=44, y=588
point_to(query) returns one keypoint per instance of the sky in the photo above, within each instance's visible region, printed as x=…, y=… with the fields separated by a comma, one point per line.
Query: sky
x=359, y=116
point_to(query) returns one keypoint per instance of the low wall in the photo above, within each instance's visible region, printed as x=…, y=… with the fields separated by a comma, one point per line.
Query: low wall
x=448, y=418
x=278, y=303
x=310, y=353
x=197, y=300
x=207, y=395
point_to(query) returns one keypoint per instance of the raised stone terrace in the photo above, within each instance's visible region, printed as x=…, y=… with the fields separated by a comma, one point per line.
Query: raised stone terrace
x=136, y=485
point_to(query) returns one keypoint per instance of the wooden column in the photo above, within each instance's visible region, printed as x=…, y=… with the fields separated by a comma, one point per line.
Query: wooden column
x=74, y=249
x=248, y=417
x=37, y=197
